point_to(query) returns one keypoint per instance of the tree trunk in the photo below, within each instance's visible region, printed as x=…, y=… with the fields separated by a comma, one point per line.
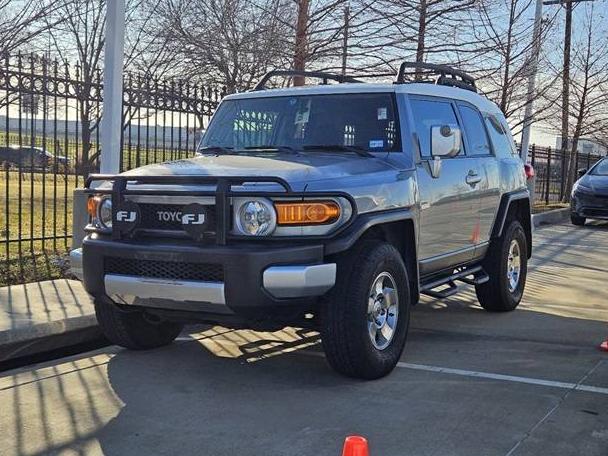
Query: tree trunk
x=300, y=55
x=421, y=35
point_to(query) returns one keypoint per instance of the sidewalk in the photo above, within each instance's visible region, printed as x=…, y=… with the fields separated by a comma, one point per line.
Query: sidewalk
x=43, y=316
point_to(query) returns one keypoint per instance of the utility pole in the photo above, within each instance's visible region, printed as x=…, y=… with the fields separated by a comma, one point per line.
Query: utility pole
x=345, y=39
x=529, y=113
x=566, y=90
x=301, y=49
x=111, y=124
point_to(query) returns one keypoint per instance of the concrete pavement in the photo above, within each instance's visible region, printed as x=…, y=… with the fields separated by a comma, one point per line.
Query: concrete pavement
x=530, y=382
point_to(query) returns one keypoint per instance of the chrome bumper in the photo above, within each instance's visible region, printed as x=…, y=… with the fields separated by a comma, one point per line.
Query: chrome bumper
x=281, y=282
x=299, y=281
x=173, y=290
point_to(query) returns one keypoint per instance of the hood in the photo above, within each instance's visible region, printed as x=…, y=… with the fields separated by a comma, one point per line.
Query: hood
x=599, y=184
x=297, y=169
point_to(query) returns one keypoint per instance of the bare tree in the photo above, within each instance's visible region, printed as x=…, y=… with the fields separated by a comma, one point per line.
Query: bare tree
x=227, y=42
x=21, y=22
x=422, y=30
x=588, y=108
x=503, y=31
x=76, y=29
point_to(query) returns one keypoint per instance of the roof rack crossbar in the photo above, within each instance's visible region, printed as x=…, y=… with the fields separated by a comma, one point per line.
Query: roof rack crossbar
x=447, y=76
x=308, y=74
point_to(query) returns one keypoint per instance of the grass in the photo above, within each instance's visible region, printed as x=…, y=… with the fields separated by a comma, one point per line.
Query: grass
x=33, y=207
x=544, y=207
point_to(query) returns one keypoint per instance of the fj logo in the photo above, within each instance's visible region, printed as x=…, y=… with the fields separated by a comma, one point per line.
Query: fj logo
x=193, y=219
x=126, y=216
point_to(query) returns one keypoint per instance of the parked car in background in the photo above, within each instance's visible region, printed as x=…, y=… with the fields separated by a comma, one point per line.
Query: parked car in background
x=32, y=158
x=590, y=194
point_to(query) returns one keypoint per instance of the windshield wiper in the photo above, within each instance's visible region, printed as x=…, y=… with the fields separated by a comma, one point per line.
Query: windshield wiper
x=270, y=147
x=356, y=149
x=215, y=150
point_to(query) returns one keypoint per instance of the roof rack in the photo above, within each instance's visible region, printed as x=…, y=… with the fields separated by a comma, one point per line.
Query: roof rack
x=418, y=72
x=308, y=74
x=445, y=75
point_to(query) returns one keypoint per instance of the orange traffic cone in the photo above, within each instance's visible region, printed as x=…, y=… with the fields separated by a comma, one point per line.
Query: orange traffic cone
x=604, y=345
x=355, y=445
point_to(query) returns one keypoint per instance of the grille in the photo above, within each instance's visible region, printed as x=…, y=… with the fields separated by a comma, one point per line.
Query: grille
x=164, y=269
x=150, y=218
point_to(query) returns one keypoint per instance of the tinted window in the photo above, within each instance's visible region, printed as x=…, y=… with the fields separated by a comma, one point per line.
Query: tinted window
x=477, y=138
x=601, y=169
x=428, y=114
x=367, y=121
x=500, y=140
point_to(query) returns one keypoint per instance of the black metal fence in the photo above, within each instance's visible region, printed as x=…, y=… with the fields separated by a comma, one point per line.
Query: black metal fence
x=550, y=166
x=50, y=116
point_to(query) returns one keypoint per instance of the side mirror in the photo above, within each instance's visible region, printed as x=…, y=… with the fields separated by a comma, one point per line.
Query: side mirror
x=582, y=172
x=445, y=141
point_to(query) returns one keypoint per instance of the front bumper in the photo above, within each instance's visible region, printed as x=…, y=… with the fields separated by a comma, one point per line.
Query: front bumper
x=254, y=276
x=589, y=205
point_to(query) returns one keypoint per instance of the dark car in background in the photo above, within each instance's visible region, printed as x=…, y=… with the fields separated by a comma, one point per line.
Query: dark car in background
x=32, y=158
x=590, y=194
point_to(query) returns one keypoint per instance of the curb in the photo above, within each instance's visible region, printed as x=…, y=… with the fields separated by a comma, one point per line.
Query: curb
x=46, y=337
x=551, y=217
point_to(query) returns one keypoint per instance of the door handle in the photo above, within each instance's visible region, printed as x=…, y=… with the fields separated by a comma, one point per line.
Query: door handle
x=473, y=178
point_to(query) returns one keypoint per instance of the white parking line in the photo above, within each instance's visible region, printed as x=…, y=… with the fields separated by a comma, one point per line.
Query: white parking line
x=492, y=376
x=507, y=378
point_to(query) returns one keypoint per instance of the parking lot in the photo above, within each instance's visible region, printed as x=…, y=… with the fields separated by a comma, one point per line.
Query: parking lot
x=530, y=382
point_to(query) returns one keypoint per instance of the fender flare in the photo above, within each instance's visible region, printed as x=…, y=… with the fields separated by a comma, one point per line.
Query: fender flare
x=367, y=221
x=503, y=210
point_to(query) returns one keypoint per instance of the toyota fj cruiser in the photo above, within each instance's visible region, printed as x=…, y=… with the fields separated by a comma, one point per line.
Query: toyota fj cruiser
x=332, y=206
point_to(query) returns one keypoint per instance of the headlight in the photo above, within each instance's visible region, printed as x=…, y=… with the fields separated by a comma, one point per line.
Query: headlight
x=104, y=213
x=100, y=211
x=580, y=188
x=256, y=217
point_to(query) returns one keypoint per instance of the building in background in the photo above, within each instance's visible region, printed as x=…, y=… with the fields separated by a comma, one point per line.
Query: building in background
x=584, y=146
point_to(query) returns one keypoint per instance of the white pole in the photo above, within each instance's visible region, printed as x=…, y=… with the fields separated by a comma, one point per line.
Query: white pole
x=529, y=115
x=111, y=124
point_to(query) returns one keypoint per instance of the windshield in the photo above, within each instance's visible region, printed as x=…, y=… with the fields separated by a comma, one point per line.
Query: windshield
x=343, y=122
x=601, y=169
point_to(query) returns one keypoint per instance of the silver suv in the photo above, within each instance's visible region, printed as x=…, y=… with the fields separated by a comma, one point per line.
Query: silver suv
x=330, y=207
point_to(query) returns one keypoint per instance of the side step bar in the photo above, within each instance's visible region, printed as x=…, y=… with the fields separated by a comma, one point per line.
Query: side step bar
x=479, y=277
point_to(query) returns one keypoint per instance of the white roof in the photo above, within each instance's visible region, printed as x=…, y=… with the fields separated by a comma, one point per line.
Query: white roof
x=481, y=102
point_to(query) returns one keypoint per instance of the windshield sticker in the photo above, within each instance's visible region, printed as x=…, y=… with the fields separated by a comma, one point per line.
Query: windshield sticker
x=303, y=113
x=376, y=143
x=382, y=113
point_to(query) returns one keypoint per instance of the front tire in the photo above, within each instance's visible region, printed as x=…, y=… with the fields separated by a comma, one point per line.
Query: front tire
x=129, y=328
x=577, y=220
x=365, y=319
x=506, y=264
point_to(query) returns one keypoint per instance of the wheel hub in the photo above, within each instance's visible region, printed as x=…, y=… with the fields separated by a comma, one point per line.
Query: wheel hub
x=382, y=310
x=513, y=265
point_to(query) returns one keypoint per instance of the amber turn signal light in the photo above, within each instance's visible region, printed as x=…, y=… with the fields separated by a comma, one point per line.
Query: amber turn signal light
x=307, y=213
x=92, y=203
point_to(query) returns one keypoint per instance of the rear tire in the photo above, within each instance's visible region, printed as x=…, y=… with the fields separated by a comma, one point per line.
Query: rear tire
x=130, y=329
x=507, y=265
x=577, y=220
x=365, y=319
